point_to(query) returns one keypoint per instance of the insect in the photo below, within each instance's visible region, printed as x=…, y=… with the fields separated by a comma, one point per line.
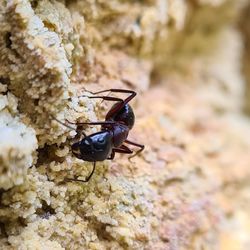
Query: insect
x=113, y=135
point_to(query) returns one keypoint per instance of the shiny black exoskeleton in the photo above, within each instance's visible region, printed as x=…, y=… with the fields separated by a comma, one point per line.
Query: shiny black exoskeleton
x=125, y=115
x=96, y=147
x=114, y=132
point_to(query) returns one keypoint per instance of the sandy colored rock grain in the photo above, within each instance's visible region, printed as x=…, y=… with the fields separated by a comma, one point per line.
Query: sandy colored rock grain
x=189, y=189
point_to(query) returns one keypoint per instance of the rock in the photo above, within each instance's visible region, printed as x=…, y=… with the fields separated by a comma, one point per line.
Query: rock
x=187, y=190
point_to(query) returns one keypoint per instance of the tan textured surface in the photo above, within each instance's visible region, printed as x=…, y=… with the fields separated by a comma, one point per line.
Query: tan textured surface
x=188, y=190
x=244, y=27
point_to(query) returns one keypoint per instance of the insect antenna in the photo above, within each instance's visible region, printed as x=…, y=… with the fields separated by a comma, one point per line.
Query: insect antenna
x=66, y=125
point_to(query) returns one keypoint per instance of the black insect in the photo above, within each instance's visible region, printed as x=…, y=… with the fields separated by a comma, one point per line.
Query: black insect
x=114, y=132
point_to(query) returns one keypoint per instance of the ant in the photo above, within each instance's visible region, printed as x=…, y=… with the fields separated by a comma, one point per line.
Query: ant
x=114, y=132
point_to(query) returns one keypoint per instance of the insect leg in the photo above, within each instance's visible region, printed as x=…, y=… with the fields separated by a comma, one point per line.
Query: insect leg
x=88, y=178
x=93, y=123
x=92, y=172
x=127, y=91
x=66, y=125
x=136, y=145
x=122, y=103
x=123, y=150
x=107, y=98
x=112, y=155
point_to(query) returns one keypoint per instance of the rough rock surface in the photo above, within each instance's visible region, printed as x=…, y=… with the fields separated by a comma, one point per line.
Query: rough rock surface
x=189, y=188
